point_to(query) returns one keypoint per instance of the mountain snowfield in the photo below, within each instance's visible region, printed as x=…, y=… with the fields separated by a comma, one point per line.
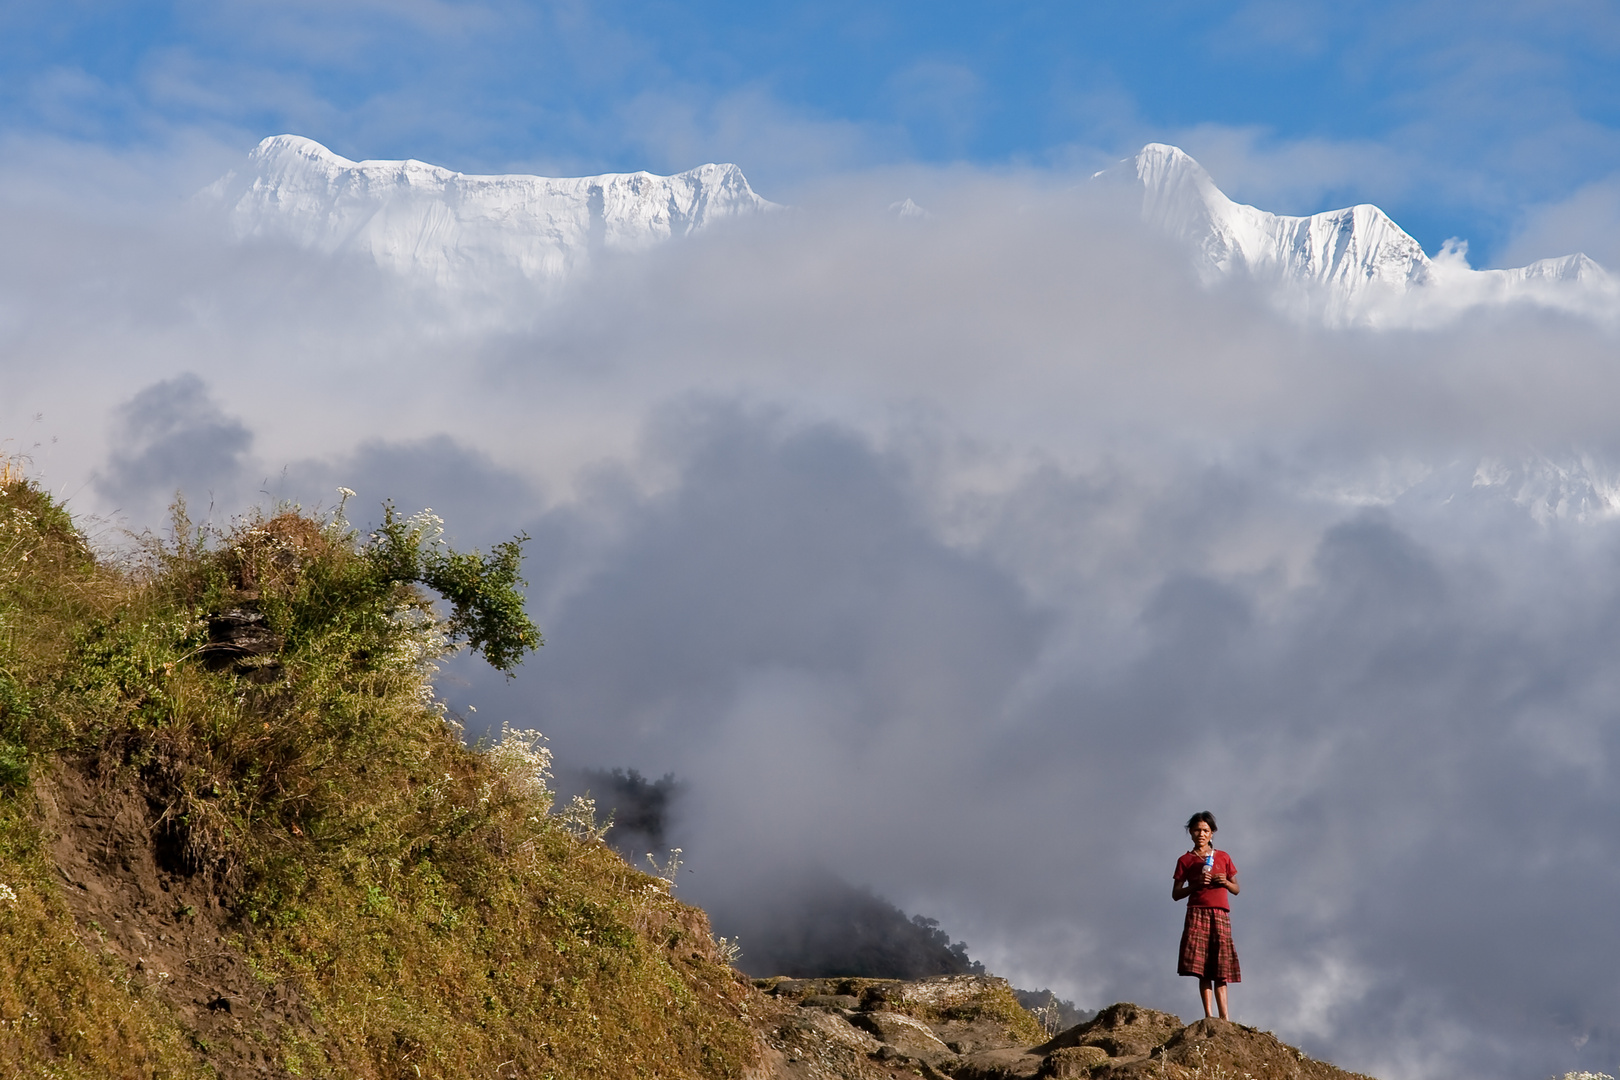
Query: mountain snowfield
x=457, y=230
x=1353, y=266
x=1349, y=266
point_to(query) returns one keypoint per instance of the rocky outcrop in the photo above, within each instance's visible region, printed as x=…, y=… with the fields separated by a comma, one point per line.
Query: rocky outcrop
x=1219, y=1048
x=1122, y=1030
x=962, y=1027
x=904, y=1036
x=239, y=641
x=923, y=1026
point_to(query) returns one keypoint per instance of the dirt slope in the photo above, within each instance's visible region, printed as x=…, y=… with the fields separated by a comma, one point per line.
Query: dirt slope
x=166, y=927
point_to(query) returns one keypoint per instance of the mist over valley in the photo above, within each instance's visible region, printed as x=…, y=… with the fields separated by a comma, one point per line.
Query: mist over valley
x=941, y=566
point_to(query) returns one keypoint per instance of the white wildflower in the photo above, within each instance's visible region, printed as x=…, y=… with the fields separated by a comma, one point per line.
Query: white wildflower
x=579, y=818
x=521, y=758
x=426, y=526
x=338, y=518
x=672, y=867
x=8, y=894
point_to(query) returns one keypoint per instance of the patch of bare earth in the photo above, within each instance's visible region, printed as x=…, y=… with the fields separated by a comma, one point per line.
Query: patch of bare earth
x=133, y=899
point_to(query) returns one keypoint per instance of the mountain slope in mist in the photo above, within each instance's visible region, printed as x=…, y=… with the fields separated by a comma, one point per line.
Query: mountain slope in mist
x=453, y=228
x=1356, y=263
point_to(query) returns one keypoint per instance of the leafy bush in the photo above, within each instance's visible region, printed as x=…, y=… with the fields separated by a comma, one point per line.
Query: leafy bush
x=486, y=606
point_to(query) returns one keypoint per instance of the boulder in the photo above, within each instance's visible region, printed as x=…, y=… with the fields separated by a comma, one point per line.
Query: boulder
x=913, y=1038
x=811, y=1044
x=945, y=992
x=1122, y=1030
x=796, y=988
x=833, y=1029
x=954, y=1017
x=1007, y=1063
x=1072, y=1061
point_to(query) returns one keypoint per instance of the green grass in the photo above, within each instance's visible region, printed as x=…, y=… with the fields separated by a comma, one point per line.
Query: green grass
x=435, y=917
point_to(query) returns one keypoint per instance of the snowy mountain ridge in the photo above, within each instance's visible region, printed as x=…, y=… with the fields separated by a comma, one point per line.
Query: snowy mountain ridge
x=1353, y=265
x=455, y=228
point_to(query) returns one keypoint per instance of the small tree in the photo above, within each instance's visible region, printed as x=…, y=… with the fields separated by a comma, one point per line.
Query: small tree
x=486, y=606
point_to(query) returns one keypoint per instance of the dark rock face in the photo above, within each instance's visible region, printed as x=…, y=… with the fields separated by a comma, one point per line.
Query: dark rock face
x=239, y=639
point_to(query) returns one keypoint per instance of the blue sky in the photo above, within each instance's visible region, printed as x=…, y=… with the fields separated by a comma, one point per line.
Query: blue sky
x=1476, y=120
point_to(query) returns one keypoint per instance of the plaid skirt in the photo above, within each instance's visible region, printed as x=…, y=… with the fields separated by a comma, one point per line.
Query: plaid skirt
x=1206, y=946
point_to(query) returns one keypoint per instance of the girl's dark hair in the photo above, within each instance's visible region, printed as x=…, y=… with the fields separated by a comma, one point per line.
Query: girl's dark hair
x=1203, y=815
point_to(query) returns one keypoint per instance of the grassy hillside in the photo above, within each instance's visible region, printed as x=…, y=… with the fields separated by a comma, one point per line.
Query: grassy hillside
x=238, y=837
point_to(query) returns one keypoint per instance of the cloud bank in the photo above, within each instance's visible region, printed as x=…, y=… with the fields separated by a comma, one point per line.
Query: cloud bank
x=965, y=558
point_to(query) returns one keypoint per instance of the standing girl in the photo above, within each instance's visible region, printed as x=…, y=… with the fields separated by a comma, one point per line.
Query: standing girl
x=1208, y=877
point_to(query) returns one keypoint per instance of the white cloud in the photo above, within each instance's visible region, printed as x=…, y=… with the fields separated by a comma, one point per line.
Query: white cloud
x=969, y=558
x=1587, y=220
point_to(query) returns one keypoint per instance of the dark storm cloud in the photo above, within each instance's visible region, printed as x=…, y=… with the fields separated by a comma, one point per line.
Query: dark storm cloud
x=793, y=551
x=173, y=436
x=481, y=502
x=1405, y=746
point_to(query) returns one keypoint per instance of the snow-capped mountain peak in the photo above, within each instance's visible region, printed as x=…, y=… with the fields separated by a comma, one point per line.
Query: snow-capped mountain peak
x=1350, y=265
x=451, y=227
x=1354, y=248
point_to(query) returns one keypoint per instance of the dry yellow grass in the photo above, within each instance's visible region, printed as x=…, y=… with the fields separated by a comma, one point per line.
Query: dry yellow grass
x=432, y=917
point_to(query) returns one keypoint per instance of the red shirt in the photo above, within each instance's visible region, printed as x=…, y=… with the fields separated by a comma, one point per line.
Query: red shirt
x=1190, y=868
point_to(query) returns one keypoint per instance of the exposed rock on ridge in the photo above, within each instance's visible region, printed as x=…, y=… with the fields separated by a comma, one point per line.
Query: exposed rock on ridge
x=960, y=1026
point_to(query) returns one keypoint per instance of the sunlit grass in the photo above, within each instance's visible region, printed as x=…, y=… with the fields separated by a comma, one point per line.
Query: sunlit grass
x=436, y=917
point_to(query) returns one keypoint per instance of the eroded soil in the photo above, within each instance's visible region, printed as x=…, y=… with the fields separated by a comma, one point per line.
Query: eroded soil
x=130, y=899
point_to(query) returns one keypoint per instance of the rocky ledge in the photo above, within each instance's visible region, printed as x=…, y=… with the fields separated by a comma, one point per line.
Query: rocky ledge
x=970, y=1027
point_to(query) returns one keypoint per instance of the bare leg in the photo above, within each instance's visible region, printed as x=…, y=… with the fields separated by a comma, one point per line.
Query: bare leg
x=1220, y=1000
x=1204, y=992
